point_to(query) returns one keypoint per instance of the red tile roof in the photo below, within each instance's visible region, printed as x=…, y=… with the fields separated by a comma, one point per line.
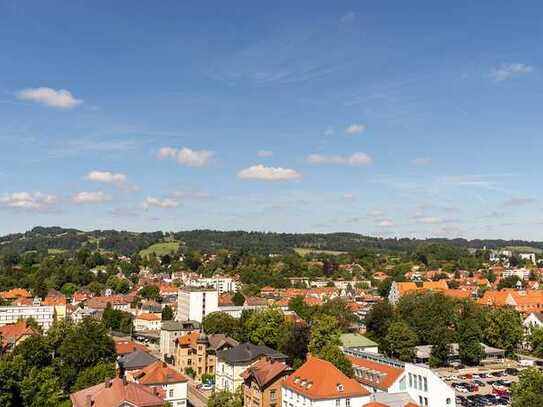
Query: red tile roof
x=147, y=316
x=15, y=293
x=54, y=300
x=159, y=373
x=265, y=371
x=11, y=333
x=319, y=379
x=116, y=393
x=124, y=347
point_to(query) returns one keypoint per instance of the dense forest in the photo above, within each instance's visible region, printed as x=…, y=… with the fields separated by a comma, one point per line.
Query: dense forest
x=255, y=243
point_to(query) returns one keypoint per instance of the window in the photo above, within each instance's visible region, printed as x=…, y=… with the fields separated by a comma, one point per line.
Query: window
x=448, y=401
x=420, y=382
x=420, y=400
x=347, y=402
x=425, y=384
x=410, y=380
x=425, y=401
x=170, y=393
x=338, y=403
x=273, y=395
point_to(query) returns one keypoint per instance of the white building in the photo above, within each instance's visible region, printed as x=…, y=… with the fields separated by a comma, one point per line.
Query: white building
x=534, y=320
x=195, y=303
x=42, y=314
x=528, y=256
x=522, y=273
x=223, y=284
x=236, y=311
x=318, y=383
x=381, y=374
x=147, y=322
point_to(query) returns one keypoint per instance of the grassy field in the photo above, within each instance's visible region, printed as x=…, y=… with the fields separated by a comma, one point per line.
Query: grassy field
x=160, y=249
x=55, y=251
x=303, y=251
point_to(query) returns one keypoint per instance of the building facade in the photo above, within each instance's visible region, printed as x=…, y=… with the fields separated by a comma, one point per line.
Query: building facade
x=42, y=314
x=198, y=352
x=195, y=303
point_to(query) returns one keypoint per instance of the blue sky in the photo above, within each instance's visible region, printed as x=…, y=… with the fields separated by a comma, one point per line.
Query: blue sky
x=385, y=118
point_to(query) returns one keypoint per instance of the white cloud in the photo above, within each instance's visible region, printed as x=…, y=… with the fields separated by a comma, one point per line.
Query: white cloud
x=59, y=99
x=348, y=196
x=28, y=200
x=268, y=173
x=187, y=156
x=386, y=223
x=264, y=153
x=354, y=159
x=509, y=71
x=422, y=161
x=165, y=203
x=355, y=128
x=90, y=197
x=428, y=220
x=106, y=177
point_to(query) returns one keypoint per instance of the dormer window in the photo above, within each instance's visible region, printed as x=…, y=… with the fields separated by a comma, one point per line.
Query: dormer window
x=339, y=387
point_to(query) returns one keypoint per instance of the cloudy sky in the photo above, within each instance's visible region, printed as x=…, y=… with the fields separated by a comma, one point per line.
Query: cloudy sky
x=387, y=118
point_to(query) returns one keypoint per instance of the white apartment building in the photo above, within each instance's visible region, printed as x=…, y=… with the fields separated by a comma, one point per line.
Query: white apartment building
x=381, y=374
x=522, y=273
x=223, y=284
x=42, y=314
x=195, y=303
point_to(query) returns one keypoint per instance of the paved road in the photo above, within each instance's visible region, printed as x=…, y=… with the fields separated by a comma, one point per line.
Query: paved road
x=196, y=398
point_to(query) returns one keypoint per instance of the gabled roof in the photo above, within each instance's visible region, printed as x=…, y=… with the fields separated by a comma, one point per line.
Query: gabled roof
x=115, y=393
x=248, y=352
x=159, y=373
x=54, y=300
x=147, y=316
x=136, y=360
x=15, y=293
x=265, y=371
x=319, y=379
x=380, y=375
x=538, y=316
x=11, y=333
x=124, y=347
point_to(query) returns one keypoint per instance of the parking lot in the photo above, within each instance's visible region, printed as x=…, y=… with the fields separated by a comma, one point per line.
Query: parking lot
x=483, y=388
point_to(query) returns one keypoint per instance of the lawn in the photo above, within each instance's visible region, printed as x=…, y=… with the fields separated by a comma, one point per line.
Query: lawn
x=160, y=249
x=55, y=251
